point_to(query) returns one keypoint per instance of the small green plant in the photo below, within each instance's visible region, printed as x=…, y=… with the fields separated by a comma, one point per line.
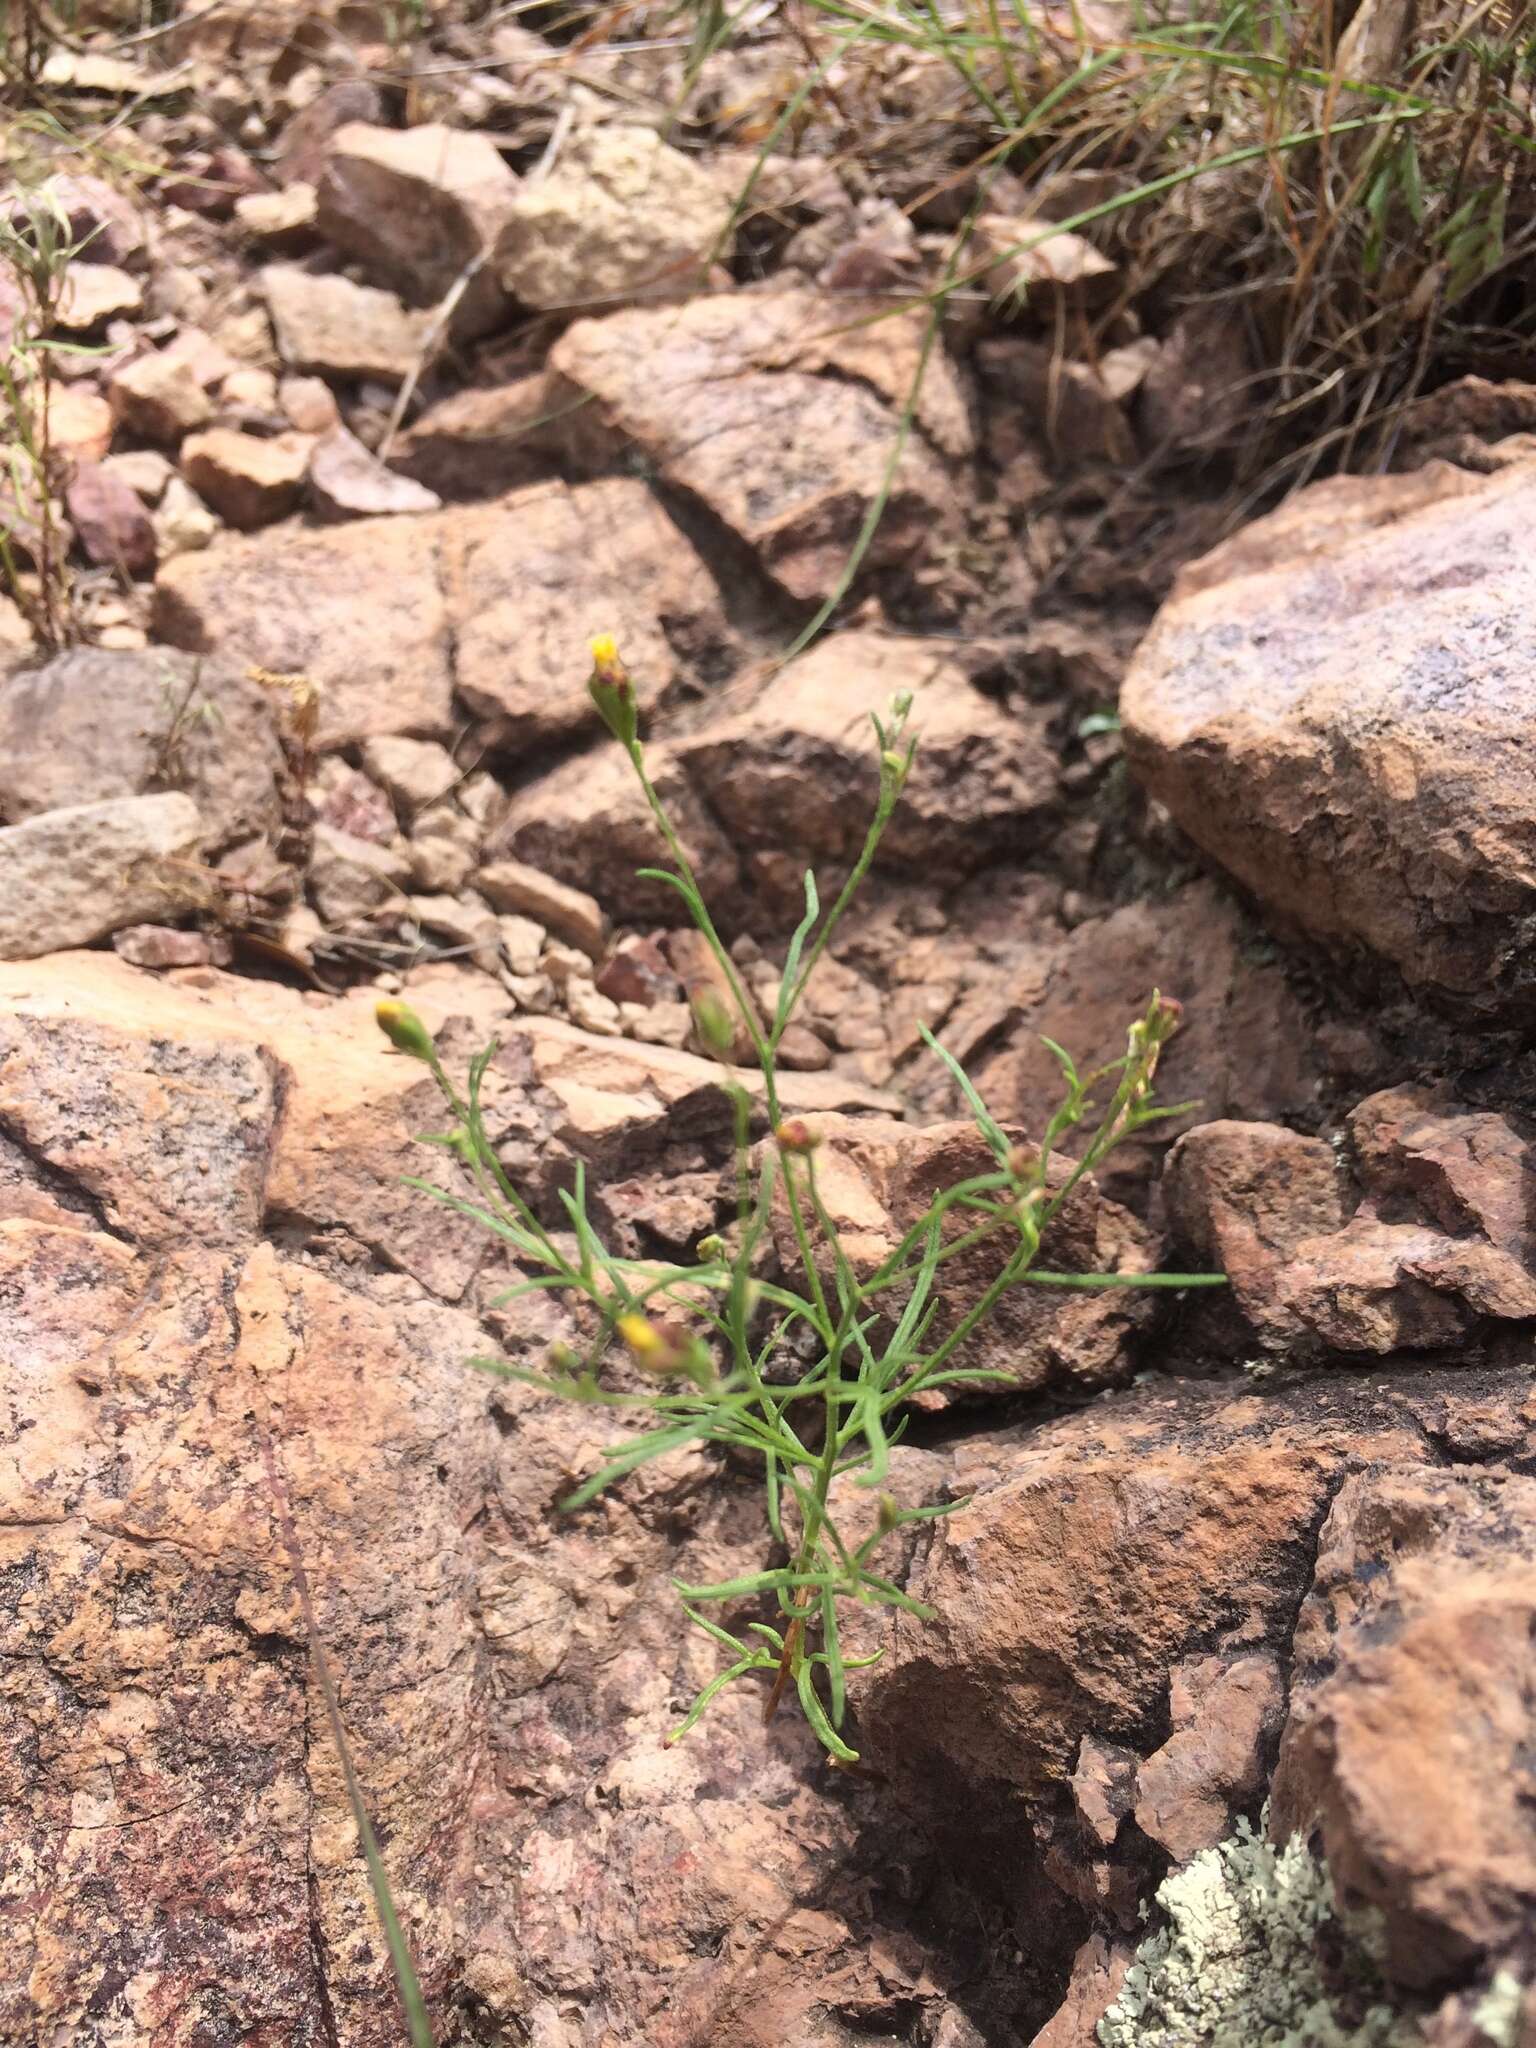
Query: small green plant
x=37, y=247
x=713, y=1335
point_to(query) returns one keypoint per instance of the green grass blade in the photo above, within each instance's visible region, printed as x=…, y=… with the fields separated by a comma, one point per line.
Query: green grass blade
x=986, y=1122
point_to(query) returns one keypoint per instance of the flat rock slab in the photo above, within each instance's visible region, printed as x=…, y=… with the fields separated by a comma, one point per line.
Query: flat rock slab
x=387, y=616
x=1336, y=705
x=193, y=1176
x=730, y=399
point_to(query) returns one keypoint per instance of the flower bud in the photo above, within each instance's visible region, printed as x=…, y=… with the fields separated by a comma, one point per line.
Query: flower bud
x=890, y=1514
x=404, y=1030
x=901, y=705
x=562, y=1358
x=1165, y=1014
x=711, y=1247
x=713, y=1022
x=795, y=1135
x=1021, y=1161
x=664, y=1348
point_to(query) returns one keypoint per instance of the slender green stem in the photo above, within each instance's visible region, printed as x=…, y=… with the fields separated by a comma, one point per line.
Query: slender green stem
x=845, y=896
x=712, y=938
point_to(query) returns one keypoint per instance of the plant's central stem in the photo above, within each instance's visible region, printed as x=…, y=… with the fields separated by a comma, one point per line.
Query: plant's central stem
x=805, y=1556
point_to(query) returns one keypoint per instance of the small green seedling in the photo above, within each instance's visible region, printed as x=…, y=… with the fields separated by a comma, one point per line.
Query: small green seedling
x=713, y=1334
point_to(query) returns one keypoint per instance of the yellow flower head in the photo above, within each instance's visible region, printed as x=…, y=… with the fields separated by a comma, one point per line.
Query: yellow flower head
x=612, y=691
x=643, y=1338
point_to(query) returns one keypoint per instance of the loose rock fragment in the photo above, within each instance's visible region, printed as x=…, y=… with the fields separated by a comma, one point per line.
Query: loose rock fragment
x=331, y=325
x=512, y=885
x=418, y=207
x=249, y=482
x=622, y=213
x=73, y=875
x=346, y=481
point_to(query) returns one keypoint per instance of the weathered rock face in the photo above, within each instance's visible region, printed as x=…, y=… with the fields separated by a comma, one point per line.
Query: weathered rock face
x=172, y=1384
x=1440, y=1240
x=1245, y=1196
x=799, y=771
x=227, y=1344
x=1170, y=1531
x=1246, y=1048
x=1408, y=1744
x=1335, y=705
x=727, y=398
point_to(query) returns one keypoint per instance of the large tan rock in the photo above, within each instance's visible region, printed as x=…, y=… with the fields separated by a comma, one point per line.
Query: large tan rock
x=1471, y=1170
x=479, y=443
x=530, y=579
x=1409, y=1734
x=1336, y=706
x=180, y=1400
x=358, y=610
x=731, y=399
x=160, y=396
x=347, y=481
x=790, y=775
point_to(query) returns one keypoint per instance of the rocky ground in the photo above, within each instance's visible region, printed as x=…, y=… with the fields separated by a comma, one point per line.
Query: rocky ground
x=404, y=378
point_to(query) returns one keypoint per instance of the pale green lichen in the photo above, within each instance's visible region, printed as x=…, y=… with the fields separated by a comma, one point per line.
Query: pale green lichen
x=1497, y=2012
x=1237, y=1964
